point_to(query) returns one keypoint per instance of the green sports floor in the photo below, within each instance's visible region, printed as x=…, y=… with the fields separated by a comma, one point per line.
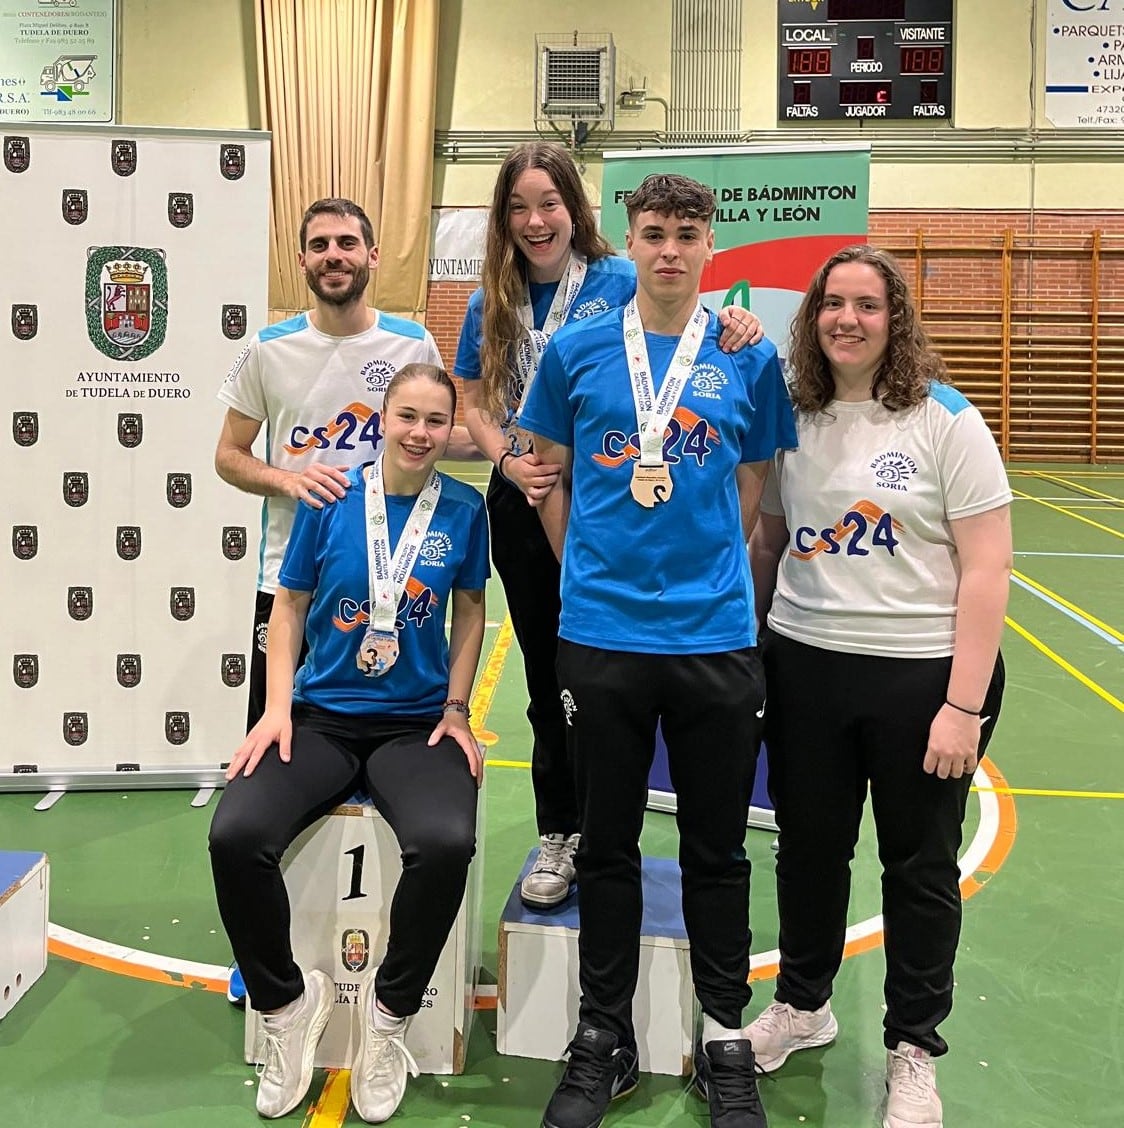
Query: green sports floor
x=1037, y=1035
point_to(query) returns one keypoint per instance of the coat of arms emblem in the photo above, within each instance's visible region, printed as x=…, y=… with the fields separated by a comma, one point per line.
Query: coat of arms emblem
x=126, y=300
x=75, y=205
x=25, y=322
x=17, y=154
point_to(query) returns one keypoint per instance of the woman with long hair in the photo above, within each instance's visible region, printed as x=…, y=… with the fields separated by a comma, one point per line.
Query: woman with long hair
x=882, y=559
x=380, y=702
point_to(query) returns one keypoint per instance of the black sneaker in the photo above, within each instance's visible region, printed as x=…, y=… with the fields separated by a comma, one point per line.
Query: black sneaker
x=726, y=1077
x=598, y=1071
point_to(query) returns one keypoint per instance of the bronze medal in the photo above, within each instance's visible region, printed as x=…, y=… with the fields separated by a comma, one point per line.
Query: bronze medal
x=377, y=652
x=651, y=484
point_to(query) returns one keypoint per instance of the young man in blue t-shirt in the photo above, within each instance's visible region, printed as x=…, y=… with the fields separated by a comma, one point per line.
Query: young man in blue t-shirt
x=664, y=441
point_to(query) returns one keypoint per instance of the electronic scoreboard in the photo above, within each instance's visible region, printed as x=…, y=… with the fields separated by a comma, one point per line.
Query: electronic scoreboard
x=846, y=60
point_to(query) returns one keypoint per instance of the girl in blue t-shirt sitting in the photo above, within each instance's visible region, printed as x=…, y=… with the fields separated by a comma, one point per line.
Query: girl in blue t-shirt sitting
x=380, y=702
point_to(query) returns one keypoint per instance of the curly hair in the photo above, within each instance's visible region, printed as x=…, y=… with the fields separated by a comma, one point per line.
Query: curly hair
x=909, y=363
x=504, y=276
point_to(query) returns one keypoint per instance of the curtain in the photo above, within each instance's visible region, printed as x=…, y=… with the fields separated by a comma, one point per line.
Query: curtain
x=347, y=88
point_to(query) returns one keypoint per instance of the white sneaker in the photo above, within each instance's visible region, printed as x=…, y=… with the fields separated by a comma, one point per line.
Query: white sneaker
x=911, y=1089
x=780, y=1029
x=378, y=1074
x=552, y=876
x=290, y=1045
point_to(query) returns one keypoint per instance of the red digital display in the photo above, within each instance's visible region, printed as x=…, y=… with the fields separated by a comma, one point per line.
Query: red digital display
x=864, y=47
x=865, y=93
x=922, y=60
x=801, y=93
x=809, y=60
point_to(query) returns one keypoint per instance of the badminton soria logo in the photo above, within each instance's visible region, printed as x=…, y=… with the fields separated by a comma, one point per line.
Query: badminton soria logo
x=893, y=470
x=126, y=300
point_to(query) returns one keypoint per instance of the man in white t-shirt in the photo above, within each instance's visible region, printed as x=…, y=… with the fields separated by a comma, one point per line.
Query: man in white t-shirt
x=316, y=381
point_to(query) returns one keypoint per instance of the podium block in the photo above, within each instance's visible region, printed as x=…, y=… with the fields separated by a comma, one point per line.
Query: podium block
x=341, y=874
x=24, y=881
x=537, y=1009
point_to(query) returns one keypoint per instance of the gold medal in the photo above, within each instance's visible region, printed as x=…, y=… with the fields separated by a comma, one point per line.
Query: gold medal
x=377, y=652
x=651, y=484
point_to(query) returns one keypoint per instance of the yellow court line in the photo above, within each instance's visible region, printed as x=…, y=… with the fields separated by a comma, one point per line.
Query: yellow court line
x=1068, y=513
x=330, y=1111
x=1073, y=672
x=1051, y=793
x=509, y=763
x=1100, y=474
x=1074, y=486
x=488, y=682
x=1069, y=606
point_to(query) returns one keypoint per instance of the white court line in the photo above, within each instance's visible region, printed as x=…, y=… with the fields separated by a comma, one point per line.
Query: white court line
x=1080, y=620
x=1096, y=502
x=135, y=956
x=1078, y=555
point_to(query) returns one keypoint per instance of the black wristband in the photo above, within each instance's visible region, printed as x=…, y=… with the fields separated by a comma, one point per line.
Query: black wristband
x=961, y=709
x=499, y=465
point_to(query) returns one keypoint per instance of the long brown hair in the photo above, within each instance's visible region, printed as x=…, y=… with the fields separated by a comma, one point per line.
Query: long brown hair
x=909, y=364
x=505, y=268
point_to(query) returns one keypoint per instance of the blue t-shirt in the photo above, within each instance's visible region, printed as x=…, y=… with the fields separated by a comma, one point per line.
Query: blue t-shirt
x=327, y=555
x=609, y=283
x=673, y=579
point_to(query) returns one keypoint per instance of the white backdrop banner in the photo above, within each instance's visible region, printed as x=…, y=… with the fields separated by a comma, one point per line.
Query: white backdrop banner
x=135, y=264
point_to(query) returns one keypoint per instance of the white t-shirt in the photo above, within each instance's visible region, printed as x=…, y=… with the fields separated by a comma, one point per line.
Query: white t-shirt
x=320, y=397
x=871, y=566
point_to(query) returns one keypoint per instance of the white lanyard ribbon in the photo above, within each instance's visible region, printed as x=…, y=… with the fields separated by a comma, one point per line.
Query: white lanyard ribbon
x=533, y=343
x=654, y=413
x=387, y=574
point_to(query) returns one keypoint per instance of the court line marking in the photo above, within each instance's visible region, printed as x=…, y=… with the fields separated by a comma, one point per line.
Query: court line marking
x=488, y=682
x=1099, y=474
x=1089, y=491
x=1073, y=672
x=1078, y=555
x=334, y=1102
x=1053, y=793
x=1047, y=497
x=1068, y=513
x=1090, y=622
x=135, y=962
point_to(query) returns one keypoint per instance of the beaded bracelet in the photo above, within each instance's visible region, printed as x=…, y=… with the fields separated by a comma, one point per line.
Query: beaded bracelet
x=457, y=705
x=961, y=709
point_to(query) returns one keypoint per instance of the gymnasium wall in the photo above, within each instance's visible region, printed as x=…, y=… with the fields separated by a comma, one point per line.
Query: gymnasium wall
x=194, y=64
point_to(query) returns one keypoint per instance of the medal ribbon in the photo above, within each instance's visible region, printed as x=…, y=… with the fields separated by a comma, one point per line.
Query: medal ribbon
x=531, y=345
x=653, y=414
x=387, y=575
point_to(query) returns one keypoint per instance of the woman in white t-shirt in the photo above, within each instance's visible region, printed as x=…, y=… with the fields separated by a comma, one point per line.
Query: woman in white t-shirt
x=882, y=557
